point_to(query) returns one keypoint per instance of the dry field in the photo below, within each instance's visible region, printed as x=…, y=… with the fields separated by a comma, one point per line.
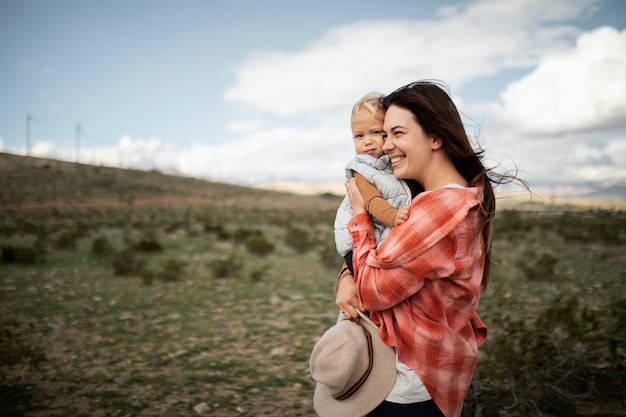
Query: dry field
x=125, y=293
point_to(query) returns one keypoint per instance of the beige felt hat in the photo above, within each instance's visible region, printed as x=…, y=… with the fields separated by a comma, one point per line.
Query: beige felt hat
x=353, y=369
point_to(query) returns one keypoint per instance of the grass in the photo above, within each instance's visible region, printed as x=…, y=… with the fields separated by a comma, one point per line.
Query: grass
x=113, y=343
x=240, y=343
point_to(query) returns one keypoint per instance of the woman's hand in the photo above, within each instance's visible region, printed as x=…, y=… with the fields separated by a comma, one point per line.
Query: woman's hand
x=355, y=196
x=347, y=299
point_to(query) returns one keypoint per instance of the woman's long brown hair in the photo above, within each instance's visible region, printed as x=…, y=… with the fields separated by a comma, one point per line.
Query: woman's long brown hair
x=436, y=113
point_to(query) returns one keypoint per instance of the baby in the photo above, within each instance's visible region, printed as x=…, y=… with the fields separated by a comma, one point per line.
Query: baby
x=387, y=199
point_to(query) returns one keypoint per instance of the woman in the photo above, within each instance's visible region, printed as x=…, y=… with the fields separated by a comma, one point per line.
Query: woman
x=422, y=284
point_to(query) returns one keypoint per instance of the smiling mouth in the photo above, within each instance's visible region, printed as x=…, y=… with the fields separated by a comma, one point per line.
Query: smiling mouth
x=397, y=159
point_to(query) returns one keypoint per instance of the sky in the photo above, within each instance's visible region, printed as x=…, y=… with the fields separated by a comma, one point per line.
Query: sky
x=257, y=92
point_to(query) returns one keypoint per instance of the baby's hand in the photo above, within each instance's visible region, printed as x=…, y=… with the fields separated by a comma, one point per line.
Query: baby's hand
x=402, y=215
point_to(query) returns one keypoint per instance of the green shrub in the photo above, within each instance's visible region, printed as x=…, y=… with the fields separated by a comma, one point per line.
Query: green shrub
x=244, y=234
x=147, y=277
x=218, y=229
x=299, y=239
x=148, y=245
x=330, y=258
x=616, y=327
x=600, y=227
x=20, y=254
x=127, y=263
x=172, y=269
x=258, y=245
x=101, y=247
x=547, y=365
x=14, y=349
x=226, y=267
x=67, y=240
x=538, y=266
x=210, y=227
x=510, y=224
x=259, y=274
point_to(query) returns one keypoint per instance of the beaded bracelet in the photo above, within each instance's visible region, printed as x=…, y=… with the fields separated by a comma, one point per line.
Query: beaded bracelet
x=344, y=272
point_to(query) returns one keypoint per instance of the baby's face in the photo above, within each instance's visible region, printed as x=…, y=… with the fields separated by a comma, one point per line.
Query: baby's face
x=367, y=132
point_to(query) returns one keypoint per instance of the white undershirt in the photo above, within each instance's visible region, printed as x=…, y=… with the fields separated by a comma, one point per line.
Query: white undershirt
x=408, y=387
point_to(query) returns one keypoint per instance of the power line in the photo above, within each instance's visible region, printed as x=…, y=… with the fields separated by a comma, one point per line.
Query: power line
x=29, y=118
x=78, y=143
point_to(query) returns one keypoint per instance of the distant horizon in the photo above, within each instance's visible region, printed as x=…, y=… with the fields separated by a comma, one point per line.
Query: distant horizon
x=508, y=197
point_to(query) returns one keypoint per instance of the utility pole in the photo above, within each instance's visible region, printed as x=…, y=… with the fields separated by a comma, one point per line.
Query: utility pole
x=78, y=143
x=28, y=120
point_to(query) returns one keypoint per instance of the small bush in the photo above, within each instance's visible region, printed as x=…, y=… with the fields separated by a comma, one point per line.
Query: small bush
x=602, y=227
x=147, y=277
x=548, y=365
x=538, y=266
x=226, y=267
x=125, y=264
x=14, y=349
x=330, y=258
x=172, y=270
x=511, y=224
x=218, y=229
x=67, y=240
x=299, y=239
x=210, y=227
x=244, y=234
x=258, y=245
x=20, y=255
x=148, y=245
x=259, y=274
x=101, y=247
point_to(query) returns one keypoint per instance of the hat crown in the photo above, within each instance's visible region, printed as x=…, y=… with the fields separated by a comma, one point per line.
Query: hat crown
x=341, y=358
x=353, y=369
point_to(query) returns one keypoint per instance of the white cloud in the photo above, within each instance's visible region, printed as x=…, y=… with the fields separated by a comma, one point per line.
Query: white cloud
x=582, y=88
x=317, y=154
x=603, y=164
x=465, y=43
x=245, y=125
x=565, y=122
x=43, y=148
x=587, y=157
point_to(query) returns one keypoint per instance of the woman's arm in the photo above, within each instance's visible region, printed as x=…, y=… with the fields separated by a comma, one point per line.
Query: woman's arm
x=346, y=298
x=412, y=252
x=375, y=290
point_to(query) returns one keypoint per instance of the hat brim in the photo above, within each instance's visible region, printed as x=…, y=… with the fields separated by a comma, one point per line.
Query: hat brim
x=372, y=392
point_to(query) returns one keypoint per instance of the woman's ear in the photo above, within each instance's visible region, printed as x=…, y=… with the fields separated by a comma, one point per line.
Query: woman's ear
x=437, y=143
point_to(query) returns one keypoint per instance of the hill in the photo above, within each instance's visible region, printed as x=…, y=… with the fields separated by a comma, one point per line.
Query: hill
x=615, y=191
x=29, y=182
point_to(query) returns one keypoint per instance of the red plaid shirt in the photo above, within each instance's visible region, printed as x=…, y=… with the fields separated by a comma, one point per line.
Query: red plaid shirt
x=422, y=287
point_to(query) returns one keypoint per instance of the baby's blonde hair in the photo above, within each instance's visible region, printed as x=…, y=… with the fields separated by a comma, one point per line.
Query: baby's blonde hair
x=371, y=101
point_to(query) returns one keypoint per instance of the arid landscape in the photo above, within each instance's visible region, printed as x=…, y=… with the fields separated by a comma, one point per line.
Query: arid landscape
x=131, y=293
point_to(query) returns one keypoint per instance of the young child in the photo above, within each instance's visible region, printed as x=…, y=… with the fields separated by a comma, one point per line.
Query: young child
x=387, y=199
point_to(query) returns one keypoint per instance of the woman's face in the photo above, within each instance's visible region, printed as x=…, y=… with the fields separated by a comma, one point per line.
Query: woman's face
x=409, y=148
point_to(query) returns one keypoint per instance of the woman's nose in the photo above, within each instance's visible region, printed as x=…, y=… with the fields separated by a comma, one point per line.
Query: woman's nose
x=387, y=145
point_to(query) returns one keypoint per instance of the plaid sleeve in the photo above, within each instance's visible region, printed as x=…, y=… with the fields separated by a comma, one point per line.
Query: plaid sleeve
x=412, y=252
